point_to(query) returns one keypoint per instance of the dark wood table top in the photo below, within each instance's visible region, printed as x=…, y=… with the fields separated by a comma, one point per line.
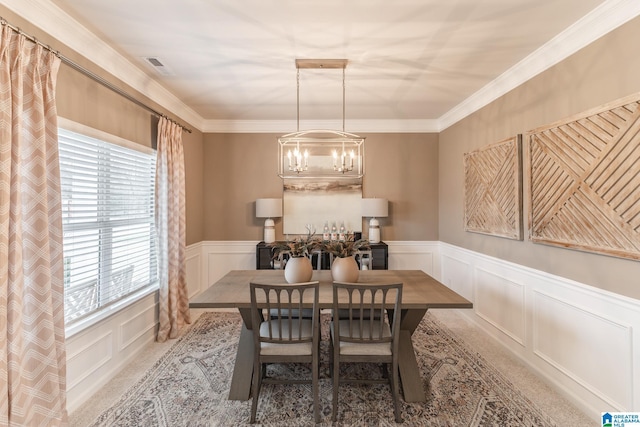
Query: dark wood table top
x=420, y=291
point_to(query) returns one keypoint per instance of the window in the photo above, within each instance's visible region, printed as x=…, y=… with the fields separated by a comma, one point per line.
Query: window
x=107, y=220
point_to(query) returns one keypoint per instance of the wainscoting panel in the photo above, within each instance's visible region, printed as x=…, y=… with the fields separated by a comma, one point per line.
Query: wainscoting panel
x=582, y=340
x=134, y=328
x=92, y=354
x=194, y=269
x=601, y=341
x=457, y=276
x=99, y=352
x=413, y=256
x=500, y=301
x=222, y=257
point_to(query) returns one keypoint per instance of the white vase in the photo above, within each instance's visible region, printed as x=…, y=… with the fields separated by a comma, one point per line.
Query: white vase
x=298, y=270
x=345, y=270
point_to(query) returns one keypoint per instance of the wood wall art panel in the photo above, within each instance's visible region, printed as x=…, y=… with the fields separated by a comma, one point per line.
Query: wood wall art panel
x=493, y=189
x=585, y=181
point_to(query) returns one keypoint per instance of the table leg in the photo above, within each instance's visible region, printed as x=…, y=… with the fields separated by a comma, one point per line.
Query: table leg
x=408, y=365
x=240, y=388
x=410, y=319
x=409, y=373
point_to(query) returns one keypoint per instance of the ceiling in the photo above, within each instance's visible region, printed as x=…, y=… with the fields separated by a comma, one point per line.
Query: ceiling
x=408, y=60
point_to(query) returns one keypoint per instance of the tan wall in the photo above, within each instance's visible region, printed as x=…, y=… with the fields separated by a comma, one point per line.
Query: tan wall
x=194, y=183
x=82, y=100
x=403, y=168
x=602, y=72
x=240, y=168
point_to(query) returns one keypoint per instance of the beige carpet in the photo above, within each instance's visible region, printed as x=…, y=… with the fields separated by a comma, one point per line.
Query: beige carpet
x=458, y=396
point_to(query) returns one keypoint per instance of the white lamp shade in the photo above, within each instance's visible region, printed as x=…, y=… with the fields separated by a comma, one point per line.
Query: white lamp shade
x=375, y=208
x=268, y=208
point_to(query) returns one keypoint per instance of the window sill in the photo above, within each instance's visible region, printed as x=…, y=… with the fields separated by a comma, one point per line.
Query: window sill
x=86, y=322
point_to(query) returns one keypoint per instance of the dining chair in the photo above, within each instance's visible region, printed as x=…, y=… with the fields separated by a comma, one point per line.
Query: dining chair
x=285, y=337
x=280, y=261
x=364, y=259
x=317, y=254
x=368, y=333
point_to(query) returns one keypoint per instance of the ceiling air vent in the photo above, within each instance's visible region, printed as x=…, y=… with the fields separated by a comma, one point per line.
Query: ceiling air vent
x=158, y=66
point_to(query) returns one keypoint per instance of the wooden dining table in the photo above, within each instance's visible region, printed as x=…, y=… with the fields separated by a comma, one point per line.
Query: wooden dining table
x=420, y=293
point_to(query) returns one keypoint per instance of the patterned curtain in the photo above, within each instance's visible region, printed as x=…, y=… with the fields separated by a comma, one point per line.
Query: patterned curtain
x=32, y=358
x=171, y=228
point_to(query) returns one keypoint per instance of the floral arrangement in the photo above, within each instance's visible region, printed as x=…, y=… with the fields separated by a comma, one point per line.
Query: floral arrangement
x=298, y=247
x=346, y=248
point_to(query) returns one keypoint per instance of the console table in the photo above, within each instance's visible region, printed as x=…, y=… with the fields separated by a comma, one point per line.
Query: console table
x=379, y=257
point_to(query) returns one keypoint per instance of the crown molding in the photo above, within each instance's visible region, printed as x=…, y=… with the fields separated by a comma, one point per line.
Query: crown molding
x=288, y=126
x=600, y=21
x=248, y=126
x=51, y=19
x=394, y=126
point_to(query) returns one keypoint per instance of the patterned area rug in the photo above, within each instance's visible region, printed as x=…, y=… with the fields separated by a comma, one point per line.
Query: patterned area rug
x=189, y=385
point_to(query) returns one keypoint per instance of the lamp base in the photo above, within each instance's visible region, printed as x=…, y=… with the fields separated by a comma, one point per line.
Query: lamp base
x=269, y=231
x=374, y=231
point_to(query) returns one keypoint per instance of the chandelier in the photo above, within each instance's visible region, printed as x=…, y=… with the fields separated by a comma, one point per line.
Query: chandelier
x=320, y=153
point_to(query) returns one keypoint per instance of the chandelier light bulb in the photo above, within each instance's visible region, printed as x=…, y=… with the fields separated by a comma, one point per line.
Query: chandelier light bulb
x=295, y=159
x=343, y=166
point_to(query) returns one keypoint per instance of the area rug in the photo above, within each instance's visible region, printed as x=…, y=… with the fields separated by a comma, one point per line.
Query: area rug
x=189, y=385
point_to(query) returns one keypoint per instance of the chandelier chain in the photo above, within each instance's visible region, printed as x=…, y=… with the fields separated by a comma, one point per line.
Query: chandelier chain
x=344, y=90
x=298, y=99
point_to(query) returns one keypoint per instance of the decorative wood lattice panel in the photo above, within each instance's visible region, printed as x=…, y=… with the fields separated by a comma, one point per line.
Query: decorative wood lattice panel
x=493, y=189
x=585, y=181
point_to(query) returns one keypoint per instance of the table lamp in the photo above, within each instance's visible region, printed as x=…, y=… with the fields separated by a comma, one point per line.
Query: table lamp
x=374, y=208
x=269, y=208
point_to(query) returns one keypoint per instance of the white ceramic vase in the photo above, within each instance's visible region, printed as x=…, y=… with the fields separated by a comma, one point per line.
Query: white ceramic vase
x=345, y=270
x=298, y=270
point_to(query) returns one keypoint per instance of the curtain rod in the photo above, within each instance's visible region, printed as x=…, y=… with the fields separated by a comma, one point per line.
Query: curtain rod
x=92, y=75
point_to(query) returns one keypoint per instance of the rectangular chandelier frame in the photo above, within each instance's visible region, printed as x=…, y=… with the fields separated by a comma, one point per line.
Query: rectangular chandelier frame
x=321, y=154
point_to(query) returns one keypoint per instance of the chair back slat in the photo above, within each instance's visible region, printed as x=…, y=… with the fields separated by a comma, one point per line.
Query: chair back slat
x=284, y=303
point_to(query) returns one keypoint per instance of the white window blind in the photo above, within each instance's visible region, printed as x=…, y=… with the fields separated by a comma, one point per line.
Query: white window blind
x=108, y=222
